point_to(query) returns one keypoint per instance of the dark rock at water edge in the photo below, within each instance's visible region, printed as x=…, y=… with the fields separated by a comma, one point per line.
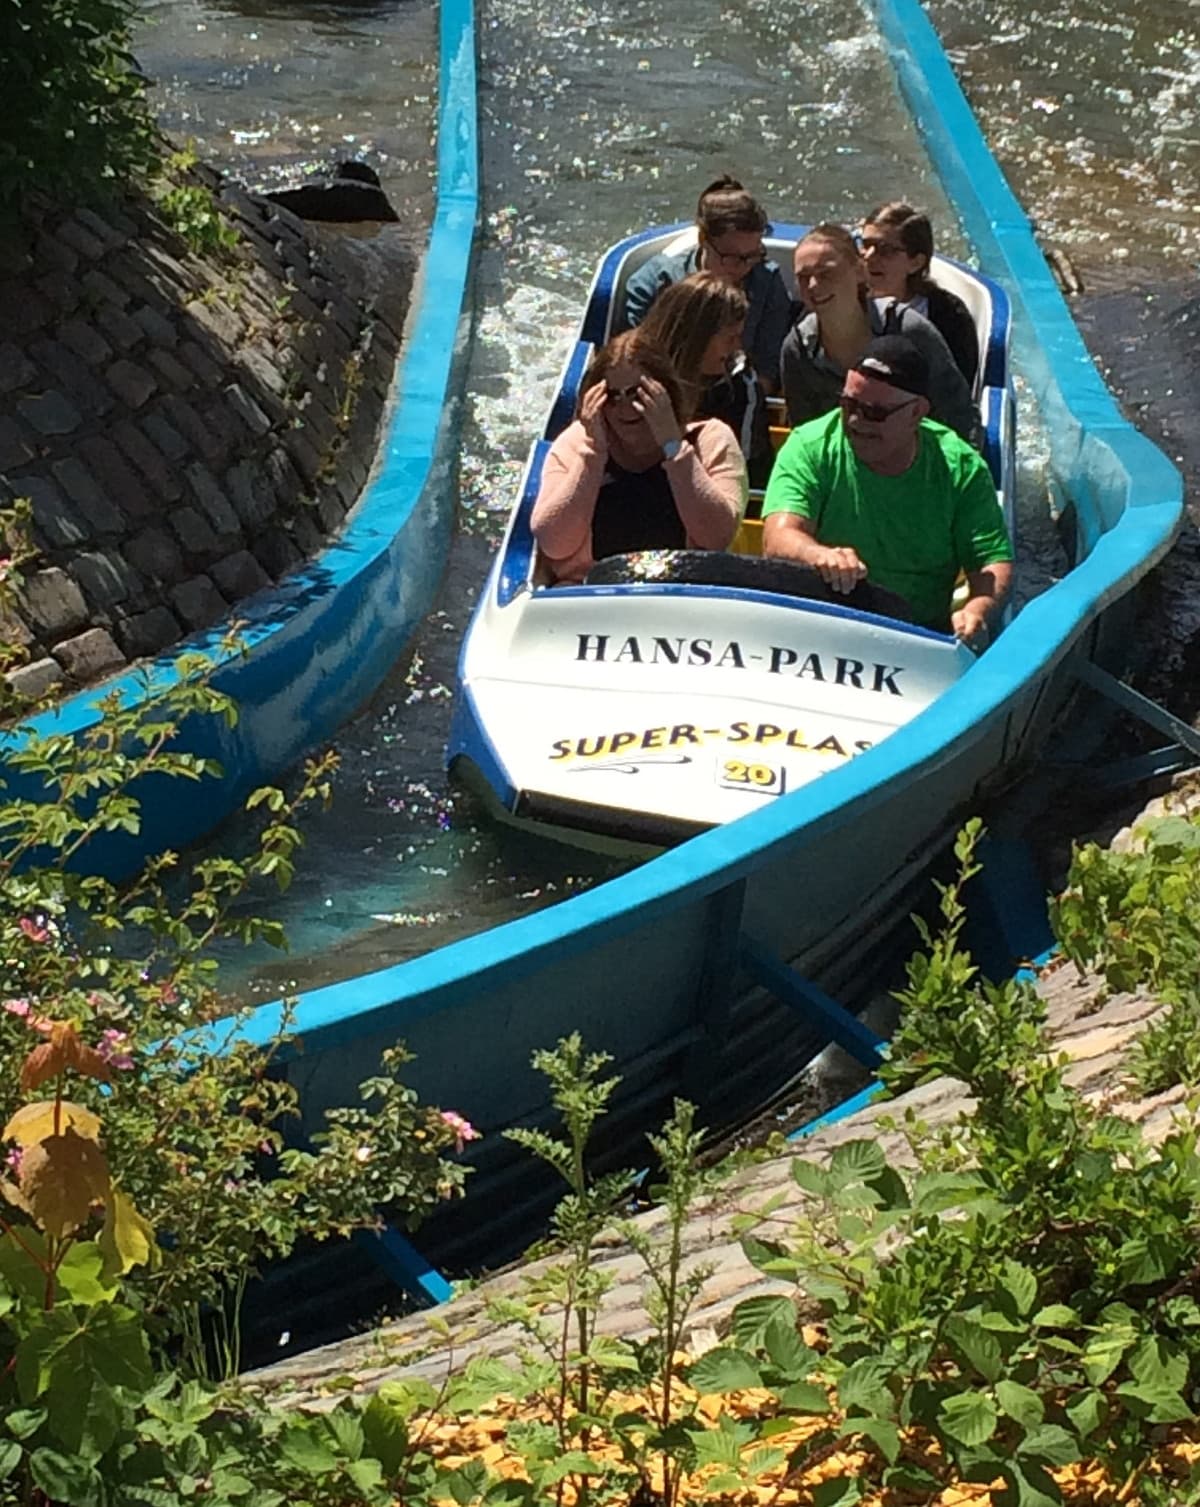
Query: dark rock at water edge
x=354, y=193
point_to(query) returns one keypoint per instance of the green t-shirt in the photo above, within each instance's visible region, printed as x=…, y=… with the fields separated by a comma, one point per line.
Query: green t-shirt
x=914, y=532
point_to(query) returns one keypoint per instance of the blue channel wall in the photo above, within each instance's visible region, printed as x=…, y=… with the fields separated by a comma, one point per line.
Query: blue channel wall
x=1129, y=500
x=317, y=645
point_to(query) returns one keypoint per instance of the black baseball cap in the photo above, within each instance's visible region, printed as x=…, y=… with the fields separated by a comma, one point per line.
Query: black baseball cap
x=894, y=359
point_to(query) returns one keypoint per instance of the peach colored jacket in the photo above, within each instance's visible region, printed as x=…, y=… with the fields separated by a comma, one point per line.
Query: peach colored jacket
x=707, y=480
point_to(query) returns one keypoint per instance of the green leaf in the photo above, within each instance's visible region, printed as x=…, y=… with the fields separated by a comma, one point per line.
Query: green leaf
x=1051, y=1443
x=1103, y=1352
x=301, y=1447
x=572, y=1463
x=406, y=1397
x=1154, y=1404
x=347, y=1430
x=865, y=1385
x=1029, y=1485
x=969, y=1417
x=885, y=1436
x=10, y=1457
x=1087, y=1411
x=724, y=1370
x=367, y=1475
x=1055, y=1316
x=464, y=1484
x=1158, y=1362
x=856, y=1162
x=914, y=1478
x=805, y=1397
x=81, y=1274
x=811, y=1178
x=753, y=1316
x=1020, y=1284
x=841, y=1491
x=788, y=1353
x=977, y=1346
x=66, y=1479
x=1022, y=1404
x=385, y=1435
x=724, y=1444
x=22, y=1422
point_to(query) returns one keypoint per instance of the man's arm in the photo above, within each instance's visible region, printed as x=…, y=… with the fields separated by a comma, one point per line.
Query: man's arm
x=975, y=620
x=787, y=536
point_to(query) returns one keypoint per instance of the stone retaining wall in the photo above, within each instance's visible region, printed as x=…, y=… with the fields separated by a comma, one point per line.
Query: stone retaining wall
x=187, y=428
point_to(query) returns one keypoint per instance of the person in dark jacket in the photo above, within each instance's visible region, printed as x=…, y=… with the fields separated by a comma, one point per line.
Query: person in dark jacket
x=897, y=246
x=841, y=321
x=730, y=225
x=700, y=323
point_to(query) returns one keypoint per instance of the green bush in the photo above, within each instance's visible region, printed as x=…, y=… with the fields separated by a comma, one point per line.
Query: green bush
x=73, y=113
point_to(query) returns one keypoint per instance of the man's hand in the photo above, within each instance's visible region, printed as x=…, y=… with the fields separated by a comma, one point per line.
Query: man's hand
x=972, y=623
x=840, y=567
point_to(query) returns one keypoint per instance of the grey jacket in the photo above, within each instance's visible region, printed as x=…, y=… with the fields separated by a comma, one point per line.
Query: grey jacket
x=812, y=382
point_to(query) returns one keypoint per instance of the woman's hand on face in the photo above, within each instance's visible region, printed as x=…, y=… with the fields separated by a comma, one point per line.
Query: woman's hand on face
x=654, y=404
x=591, y=416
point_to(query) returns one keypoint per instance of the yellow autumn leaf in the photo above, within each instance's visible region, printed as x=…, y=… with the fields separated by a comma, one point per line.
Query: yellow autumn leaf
x=62, y=1177
x=35, y=1122
x=126, y=1239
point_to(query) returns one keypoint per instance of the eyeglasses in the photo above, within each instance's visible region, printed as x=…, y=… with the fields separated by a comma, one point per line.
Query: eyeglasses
x=874, y=413
x=880, y=248
x=733, y=259
x=623, y=394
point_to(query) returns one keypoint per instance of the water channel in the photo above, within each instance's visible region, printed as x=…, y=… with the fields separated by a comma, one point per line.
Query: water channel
x=596, y=119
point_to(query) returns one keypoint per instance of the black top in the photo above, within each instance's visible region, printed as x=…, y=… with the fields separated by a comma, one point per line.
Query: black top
x=947, y=313
x=737, y=399
x=635, y=511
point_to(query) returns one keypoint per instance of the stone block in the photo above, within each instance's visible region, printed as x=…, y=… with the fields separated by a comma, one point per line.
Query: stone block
x=148, y=633
x=212, y=499
x=111, y=229
x=107, y=580
x=90, y=655
x=195, y=533
x=197, y=603
x=101, y=289
x=245, y=206
x=277, y=554
x=34, y=680
x=15, y=447
x=50, y=413
x=225, y=428
x=72, y=376
x=244, y=406
x=86, y=341
x=81, y=240
x=13, y=631
x=147, y=458
x=331, y=510
x=165, y=436
x=284, y=479
x=24, y=311
x=171, y=371
x=304, y=454
x=204, y=367
x=54, y=255
x=240, y=575
x=130, y=274
x=160, y=330
x=53, y=516
x=61, y=292
x=52, y=602
x=167, y=267
x=96, y=510
x=16, y=370
x=118, y=326
x=309, y=539
x=117, y=479
x=252, y=494
x=284, y=225
x=131, y=382
x=155, y=554
x=216, y=320
x=184, y=418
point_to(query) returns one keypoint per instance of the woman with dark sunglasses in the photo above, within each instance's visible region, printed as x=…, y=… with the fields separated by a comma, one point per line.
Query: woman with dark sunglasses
x=631, y=473
x=841, y=320
x=897, y=247
x=730, y=225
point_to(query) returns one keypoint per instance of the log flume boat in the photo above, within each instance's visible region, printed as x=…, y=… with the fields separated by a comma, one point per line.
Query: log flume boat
x=707, y=970
x=673, y=691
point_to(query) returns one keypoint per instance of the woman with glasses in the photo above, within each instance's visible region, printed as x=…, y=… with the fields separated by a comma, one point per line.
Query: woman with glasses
x=897, y=247
x=842, y=320
x=699, y=323
x=631, y=472
x=730, y=225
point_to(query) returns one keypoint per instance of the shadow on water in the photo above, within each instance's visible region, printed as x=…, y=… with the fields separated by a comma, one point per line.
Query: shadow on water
x=327, y=11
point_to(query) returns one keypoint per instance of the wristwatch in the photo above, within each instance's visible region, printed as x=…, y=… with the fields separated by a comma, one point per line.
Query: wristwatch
x=671, y=449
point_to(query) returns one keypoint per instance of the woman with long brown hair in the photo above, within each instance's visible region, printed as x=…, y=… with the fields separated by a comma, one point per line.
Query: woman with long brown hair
x=631, y=472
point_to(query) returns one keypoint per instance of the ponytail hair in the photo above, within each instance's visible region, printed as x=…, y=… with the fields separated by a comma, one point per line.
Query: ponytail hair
x=724, y=206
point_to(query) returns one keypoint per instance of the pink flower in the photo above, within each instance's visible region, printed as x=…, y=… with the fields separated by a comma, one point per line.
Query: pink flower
x=23, y=1009
x=110, y=1048
x=34, y=930
x=12, y=1161
x=463, y=1130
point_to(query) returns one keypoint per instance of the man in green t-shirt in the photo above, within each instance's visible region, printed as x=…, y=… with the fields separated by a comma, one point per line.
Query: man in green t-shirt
x=876, y=488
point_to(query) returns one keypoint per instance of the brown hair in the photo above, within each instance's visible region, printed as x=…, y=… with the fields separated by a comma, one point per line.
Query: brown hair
x=724, y=206
x=633, y=348
x=844, y=244
x=685, y=317
x=916, y=236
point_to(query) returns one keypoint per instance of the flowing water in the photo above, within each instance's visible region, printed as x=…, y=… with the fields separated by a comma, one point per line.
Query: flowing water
x=597, y=119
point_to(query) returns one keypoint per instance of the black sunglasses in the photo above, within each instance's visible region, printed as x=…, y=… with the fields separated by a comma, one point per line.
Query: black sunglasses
x=618, y=394
x=874, y=413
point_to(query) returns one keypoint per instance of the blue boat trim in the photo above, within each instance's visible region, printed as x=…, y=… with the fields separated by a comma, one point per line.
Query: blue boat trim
x=317, y=645
x=843, y=1111
x=396, y=1255
x=792, y=989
